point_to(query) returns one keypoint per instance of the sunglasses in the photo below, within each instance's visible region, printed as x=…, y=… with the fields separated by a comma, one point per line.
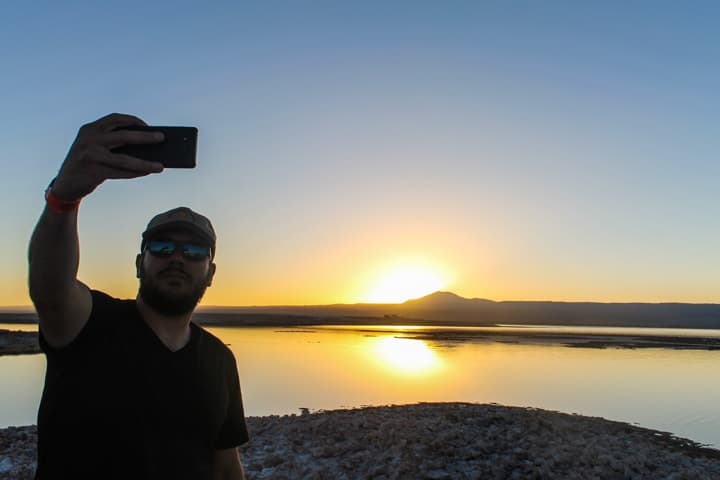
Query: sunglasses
x=190, y=251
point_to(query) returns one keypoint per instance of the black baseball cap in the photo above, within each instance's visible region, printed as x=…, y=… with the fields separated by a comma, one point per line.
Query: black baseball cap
x=180, y=218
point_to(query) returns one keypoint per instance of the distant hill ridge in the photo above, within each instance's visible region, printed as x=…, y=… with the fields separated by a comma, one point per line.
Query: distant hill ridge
x=445, y=300
x=447, y=308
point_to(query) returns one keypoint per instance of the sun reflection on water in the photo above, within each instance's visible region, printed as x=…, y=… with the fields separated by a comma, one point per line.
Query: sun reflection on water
x=404, y=355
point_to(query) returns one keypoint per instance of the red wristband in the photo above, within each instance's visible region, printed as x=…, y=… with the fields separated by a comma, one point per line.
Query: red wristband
x=58, y=205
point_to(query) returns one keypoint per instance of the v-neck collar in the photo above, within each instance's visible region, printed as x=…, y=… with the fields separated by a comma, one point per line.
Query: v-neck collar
x=161, y=345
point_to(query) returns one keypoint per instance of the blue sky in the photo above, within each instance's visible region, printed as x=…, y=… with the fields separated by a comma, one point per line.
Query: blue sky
x=527, y=150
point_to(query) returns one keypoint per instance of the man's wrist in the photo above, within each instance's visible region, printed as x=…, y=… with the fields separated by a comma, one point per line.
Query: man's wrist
x=57, y=204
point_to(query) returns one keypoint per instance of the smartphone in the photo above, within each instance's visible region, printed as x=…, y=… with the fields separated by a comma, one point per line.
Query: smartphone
x=177, y=151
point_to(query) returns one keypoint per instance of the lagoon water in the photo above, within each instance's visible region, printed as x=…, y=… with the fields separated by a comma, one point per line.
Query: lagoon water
x=285, y=369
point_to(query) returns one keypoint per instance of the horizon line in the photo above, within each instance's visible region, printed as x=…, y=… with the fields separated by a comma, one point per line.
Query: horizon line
x=29, y=308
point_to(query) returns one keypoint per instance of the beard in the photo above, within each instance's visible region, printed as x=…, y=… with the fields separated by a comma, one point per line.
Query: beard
x=169, y=303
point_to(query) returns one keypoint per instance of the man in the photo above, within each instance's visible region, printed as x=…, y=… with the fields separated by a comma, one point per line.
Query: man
x=133, y=389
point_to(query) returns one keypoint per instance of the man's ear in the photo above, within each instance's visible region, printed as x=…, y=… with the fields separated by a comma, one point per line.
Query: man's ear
x=138, y=266
x=211, y=273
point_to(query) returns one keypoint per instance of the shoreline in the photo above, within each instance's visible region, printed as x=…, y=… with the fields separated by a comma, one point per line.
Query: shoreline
x=16, y=342
x=440, y=441
x=574, y=340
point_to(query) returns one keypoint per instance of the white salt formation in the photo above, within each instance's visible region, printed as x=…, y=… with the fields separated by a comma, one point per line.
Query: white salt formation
x=435, y=441
x=466, y=441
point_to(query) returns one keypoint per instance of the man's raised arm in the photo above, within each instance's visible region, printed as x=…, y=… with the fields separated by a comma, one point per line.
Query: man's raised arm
x=62, y=302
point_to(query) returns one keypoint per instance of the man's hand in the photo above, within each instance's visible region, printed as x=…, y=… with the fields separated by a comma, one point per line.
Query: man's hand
x=63, y=303
x=90, y=160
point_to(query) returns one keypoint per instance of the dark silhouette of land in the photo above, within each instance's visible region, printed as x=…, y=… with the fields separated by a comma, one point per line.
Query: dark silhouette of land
x=448, y=309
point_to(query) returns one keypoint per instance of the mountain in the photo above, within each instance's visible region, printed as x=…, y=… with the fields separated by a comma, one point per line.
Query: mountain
x=445, y=301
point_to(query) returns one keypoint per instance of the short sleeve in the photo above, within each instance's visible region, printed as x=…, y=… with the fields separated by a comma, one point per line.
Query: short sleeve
x=82, y=344
x=233, y=431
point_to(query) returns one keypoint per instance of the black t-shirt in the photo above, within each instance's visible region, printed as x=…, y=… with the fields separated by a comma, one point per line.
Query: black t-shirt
x=118, y=404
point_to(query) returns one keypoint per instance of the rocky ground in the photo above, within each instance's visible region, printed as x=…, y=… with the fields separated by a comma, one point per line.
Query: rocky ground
x=441, y=441
x=17, y=452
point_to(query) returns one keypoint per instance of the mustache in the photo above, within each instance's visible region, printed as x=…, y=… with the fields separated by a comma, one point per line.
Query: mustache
x=174, y=270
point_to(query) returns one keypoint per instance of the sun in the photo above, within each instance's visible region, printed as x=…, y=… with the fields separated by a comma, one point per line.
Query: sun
x=404, y=281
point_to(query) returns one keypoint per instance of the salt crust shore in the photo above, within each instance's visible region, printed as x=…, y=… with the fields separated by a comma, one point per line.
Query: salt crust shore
x=437, y=441
x=17, y=342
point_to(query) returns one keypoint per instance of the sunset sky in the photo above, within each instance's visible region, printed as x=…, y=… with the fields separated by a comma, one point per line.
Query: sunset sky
x=375, y=151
